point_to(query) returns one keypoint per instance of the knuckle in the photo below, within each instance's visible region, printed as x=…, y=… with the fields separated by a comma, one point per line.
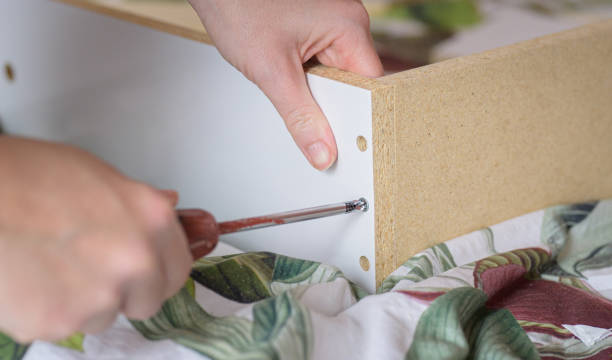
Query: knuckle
x=137, y=260
x=354, y=22
x=269, y=68
x=301, y=119
x=142, y=264
x=263, y=75
x=149, y=203
x=157, y=210
x=362, y=17
x=357, y=13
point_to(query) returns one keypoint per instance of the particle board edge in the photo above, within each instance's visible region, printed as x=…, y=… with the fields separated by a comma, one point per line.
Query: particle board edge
x=488, y=137
x=384, y=148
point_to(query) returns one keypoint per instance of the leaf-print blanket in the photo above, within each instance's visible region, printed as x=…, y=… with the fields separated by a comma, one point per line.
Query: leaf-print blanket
x=538, y=286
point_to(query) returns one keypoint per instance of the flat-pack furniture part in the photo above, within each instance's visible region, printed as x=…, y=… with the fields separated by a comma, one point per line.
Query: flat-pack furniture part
x=438, y=151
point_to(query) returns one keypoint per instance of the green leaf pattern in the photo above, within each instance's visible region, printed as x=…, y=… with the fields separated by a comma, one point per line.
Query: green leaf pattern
x=243, y=277
x=427, y=264
x=534, y=260
x=181, y=319
x=570, y=348
x=280, y=327
x=456, y=323
x=74, y=342
x=10, y=349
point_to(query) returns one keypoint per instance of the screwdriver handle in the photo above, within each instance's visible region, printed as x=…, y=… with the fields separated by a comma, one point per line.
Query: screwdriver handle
x=201, y=230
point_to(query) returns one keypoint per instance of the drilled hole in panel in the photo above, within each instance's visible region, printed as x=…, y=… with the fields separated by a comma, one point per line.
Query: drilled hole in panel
x=362, y=143
x=9, y=72
x=364, y=263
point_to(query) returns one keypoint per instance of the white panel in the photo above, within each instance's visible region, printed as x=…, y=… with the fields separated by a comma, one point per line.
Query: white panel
x=172, y=112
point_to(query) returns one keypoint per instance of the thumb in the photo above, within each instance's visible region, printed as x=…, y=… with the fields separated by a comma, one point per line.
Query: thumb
x=285, y=85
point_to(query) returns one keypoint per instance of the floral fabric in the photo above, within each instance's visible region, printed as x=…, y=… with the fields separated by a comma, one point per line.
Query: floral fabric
x=538, y=286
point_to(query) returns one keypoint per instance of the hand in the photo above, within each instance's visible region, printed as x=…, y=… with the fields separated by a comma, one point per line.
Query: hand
x=269, y=40
x=80, y=243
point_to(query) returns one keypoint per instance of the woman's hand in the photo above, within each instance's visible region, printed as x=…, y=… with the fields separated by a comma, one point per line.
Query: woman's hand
x=80, y=243
x=269, y=40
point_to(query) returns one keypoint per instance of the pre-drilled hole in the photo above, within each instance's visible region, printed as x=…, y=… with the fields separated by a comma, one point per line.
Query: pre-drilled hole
x=364, y=263
x=362, y=143
x=9, y=72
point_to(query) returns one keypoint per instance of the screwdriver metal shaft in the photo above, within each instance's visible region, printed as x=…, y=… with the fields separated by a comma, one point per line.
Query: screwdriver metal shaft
x=292, y=216
x=202, y=230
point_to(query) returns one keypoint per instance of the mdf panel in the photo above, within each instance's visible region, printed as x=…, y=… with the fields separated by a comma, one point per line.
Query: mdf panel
x=172, y=112
x=484, y=138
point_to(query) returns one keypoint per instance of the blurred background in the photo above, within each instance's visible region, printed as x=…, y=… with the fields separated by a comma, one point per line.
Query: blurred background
x=411, y=33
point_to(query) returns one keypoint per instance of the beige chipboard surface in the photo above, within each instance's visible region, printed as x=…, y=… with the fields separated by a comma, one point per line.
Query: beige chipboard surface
x=480, y=139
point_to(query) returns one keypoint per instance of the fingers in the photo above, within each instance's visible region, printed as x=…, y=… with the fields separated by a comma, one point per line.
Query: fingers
x=176, y=258
x=282, y=79
x=161, y=260
x=100, y=322
x=105, y=313
x=354, y=50
x=285, y=85
x=175, y=250
x=145, y=267
x=360, y=58
x=68, y=302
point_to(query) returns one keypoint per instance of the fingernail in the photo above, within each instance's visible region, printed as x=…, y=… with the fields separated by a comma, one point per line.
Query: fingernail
x=319, y=155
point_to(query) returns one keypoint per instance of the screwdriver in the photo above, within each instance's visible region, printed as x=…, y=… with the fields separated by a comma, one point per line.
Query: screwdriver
x=202, y=230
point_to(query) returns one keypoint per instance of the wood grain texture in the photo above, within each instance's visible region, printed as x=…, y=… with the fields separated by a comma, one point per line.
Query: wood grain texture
x=484, y=138
x=177, y=18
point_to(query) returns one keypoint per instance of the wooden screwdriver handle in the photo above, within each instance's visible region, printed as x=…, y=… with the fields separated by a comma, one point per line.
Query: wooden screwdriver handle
x=201, y=230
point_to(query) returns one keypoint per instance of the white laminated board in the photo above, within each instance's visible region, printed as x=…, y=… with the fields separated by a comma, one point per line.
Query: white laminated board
x=172, y=112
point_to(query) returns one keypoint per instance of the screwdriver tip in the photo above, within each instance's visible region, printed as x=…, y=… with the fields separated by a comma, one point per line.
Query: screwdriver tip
x=361, y=205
